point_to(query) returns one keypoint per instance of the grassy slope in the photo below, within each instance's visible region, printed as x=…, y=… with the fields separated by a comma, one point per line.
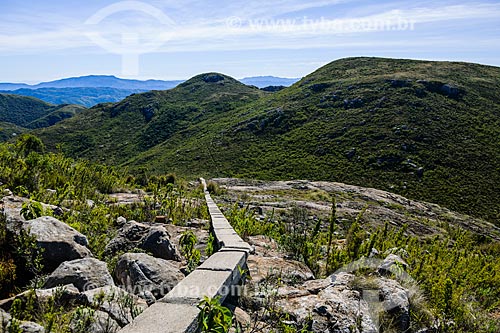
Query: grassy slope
x=33, y=113
x=310, y=131
x=8, y=130
x=116, y=132
x=349, y=122
x=21, y=110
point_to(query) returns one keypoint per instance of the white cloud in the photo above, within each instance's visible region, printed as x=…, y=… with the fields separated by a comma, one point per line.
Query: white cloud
x=253, y=27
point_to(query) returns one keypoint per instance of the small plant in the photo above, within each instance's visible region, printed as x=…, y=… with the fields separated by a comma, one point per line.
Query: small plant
x=211, y=245
x=31, y=210
x=187, y=243
x=213, y=317
x=27, y=249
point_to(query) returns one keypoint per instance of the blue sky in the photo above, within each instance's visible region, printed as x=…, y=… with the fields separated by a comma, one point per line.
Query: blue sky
x=46, y=40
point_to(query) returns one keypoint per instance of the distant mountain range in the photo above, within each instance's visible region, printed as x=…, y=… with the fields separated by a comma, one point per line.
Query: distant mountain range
x=266, y=81
x=85, y=96
x=96, y=81
x=94, y=89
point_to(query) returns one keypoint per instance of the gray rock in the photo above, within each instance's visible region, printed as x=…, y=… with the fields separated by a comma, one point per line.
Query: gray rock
x=374, y=253
x=128, y=238
x=84, y=274
x=100, y=322
x=392, y=265
x=143, y=275
x=157, y=242
x=337, y=306
x=344, y=303
x=154, y=239
x=450, y=90
x=261, y=268
x=59, y=241
x=12, y=210
x=6, y=192
x=31, y=327
x=121, y=221
x=121, y=306
x=395, y=302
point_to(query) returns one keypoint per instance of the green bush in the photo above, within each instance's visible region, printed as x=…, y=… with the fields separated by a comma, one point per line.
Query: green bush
x=213, y=317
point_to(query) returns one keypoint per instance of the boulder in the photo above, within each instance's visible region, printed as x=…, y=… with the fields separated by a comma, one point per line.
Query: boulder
x=6, y=192
x=102, y=322
x=291, y=271
x=84, y=274
x=157, y=242
x=12, y=210
x=120, y=221
x=154, y=239
x=144, y=275
x=60, y=242
x=450, y=90
x=395, y=302
x=121, y=306
x=391, y=265
x=99, y=322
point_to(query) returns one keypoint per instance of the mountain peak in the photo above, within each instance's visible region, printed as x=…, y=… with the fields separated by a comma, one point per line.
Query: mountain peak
x=210, y=78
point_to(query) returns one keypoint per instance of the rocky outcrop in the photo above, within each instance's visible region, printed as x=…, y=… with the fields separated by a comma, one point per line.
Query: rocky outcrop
x=60, y=242
x=154, y=239
x=289, y=271
x=148, y=277
x=342, y=302
x=336, y=307
x=84, y=274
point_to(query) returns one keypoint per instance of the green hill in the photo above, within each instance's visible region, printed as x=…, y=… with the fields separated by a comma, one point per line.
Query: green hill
x=114, y=133
x=33, y=113
x=9, y=130
x=427, y=130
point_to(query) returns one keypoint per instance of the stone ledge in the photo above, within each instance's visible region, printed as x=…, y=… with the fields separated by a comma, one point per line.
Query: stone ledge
x=165, y=318
x=224, y=261
x=202, y=283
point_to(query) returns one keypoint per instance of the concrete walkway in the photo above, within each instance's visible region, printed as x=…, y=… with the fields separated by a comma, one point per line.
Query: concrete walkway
x=219, y=275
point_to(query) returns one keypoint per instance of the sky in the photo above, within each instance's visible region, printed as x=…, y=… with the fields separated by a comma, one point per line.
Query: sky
x=175, y=39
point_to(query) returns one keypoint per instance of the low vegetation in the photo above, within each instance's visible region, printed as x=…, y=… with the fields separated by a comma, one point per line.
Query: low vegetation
x=457, y=271
x=78, y=193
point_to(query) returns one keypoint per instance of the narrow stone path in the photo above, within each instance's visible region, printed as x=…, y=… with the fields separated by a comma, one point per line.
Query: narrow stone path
x=219, y=275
